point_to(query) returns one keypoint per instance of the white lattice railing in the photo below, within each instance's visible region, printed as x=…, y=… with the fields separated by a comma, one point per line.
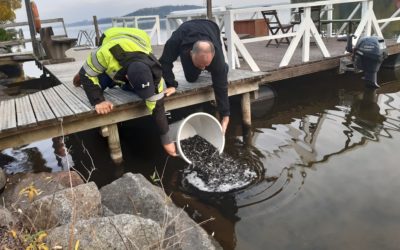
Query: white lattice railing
x=133, y=21
x=368, y=25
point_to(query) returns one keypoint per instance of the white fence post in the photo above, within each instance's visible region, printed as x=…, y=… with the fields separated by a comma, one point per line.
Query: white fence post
x=329, y=16
x=305, y=53
x=158, y=30
x=229, y=38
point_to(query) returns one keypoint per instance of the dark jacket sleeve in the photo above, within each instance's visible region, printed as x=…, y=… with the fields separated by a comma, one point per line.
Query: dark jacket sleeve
x=168, y=57
x=93, y=91
x=161, y=121
x=219, y=76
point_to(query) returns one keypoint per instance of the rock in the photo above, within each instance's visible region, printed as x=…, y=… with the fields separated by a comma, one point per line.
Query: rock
x=133, y=194
x=6, y=218
x=3, y=178
x=122, y=231
x=106, y=211
x=55, y=210
x=47, y=183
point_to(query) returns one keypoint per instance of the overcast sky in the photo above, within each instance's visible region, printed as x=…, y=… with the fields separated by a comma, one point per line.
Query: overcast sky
x=77, y=10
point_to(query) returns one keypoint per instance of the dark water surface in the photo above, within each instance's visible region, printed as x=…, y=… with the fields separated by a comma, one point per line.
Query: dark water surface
x=329, y=150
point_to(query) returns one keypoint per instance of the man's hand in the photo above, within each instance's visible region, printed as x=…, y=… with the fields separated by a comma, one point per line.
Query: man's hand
x=224, y=123
x=77, y=80
x=169, y=91
x=104, y=107
x=170, y=149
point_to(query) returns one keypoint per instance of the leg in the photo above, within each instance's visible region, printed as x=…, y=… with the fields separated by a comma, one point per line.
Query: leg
x=191, y=72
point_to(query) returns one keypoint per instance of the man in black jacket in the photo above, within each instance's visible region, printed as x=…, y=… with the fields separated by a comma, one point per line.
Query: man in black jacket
x=198, y=44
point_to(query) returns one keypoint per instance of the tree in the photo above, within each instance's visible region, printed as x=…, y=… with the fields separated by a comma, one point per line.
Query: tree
x=7, y=9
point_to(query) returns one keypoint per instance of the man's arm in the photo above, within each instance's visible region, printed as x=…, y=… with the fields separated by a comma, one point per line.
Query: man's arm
x=158, y=114
x=89, y=79
x=168, y=57
x=219, y=76
x=92, y=90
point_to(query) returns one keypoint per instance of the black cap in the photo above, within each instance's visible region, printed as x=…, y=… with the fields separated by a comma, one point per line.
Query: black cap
x=141, y=79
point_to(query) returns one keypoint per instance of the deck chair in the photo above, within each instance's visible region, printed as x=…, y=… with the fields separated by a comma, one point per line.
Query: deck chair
x=274, y=25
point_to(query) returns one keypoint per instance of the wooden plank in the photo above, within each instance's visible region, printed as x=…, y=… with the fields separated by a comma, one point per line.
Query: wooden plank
x=57, y=105
x=71, y=125
x=78, y=92
x=41, y=108
x=123, y=96
x=113, y=99
x=120, y=113
x=302, y=69
x=71, y=100
x=8, y=119
x=24, y=111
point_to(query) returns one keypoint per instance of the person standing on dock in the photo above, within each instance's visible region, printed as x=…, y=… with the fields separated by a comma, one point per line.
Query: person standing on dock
x=125, y=58
x=198, y=44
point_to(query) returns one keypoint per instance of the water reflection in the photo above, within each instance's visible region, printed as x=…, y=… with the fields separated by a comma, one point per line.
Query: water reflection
x=327, y=155
x=359, y=117
x=342, y=122
x=25, y=159
x=64, y=158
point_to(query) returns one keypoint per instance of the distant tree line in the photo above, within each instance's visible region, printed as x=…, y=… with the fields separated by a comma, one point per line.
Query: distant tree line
x=161, y=11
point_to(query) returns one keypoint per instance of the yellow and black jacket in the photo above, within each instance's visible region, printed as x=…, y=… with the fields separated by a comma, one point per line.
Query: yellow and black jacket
x=119, y=47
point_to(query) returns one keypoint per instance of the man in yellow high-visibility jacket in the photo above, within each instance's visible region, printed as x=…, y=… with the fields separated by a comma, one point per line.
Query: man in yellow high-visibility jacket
x=125, y=58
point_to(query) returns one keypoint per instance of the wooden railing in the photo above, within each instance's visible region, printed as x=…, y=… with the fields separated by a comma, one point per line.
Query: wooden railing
x=367, y=25
x=133, y=21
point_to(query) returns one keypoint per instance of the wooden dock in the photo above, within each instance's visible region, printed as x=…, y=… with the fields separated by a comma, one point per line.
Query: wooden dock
x=16, y=57
x=268, y=58
x=65, y=109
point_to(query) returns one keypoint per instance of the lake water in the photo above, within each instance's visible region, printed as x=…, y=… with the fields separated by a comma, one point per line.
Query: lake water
x=329, y=153
x=329, y=149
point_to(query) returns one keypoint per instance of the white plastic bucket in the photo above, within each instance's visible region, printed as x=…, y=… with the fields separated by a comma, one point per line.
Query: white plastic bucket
x=201, y=124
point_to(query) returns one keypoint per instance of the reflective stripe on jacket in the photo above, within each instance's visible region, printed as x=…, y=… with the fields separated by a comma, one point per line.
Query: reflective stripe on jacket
x=128, y=40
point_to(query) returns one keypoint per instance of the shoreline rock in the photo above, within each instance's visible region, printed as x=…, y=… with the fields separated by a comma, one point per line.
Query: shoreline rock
x=129, y=212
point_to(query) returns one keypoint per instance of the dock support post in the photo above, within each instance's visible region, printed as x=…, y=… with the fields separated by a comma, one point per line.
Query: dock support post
x=246, y=118
x=114, y=143
x=246, y=109
x=104, y=131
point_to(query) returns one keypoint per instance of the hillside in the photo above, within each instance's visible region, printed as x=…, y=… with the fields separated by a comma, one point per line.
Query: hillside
x=162, y=11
